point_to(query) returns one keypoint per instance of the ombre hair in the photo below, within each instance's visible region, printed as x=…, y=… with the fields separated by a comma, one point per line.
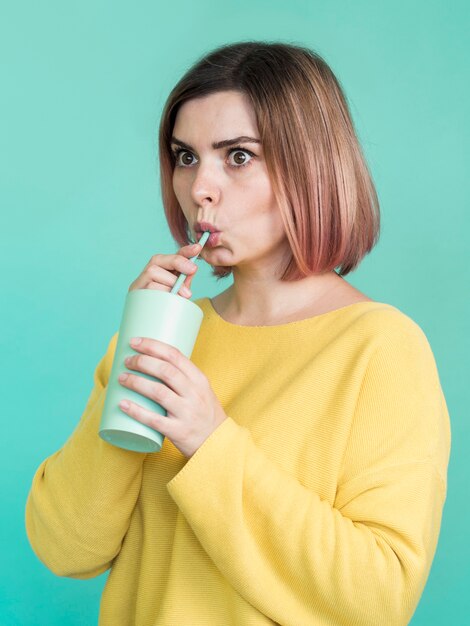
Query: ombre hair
x=319, y=176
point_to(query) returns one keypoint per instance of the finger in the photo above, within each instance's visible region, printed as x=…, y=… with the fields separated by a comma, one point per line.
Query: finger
x=190, y=250
x=167, y=277
x=190, y=275
x=139, y=283
x=151, y=389
x=164, y=281
x=188, y=280
x=155, y=277
x=161, y=423
x=183, y=291
x=172, y=355
x=161, y=276
x=164, y=371
x=172, y=262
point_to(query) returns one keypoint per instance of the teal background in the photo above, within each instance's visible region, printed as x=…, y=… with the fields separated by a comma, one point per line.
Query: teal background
x=82, y=87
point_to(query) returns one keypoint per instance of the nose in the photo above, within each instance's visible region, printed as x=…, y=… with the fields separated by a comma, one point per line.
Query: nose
x=205, y=189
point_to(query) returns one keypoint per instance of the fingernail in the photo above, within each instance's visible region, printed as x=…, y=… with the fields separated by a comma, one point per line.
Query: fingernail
x=135, y=341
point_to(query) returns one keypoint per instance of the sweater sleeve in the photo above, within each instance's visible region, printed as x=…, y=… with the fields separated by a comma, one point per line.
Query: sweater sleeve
x=363, y=560
x=81, y=499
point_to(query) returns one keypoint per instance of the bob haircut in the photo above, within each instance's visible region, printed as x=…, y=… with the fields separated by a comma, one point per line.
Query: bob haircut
x=319, y=176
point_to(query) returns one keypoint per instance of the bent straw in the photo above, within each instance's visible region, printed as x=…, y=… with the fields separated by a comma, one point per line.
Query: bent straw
x=179, y=282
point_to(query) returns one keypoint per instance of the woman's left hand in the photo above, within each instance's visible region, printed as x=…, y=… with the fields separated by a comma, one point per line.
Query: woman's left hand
x=193, y=409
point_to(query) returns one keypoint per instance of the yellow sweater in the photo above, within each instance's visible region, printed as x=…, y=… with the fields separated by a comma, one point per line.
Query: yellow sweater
x=318, y=502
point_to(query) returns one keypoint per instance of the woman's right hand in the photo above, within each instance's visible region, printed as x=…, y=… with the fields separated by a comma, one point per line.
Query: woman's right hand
x=163, y=270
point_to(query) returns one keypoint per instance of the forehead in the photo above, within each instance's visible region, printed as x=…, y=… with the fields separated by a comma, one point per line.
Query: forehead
x=226, y=112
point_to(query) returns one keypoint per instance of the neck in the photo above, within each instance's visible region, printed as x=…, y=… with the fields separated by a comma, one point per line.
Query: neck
x=257, y=299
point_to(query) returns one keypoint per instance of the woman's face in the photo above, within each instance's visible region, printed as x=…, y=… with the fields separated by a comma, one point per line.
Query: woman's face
x=227, y=186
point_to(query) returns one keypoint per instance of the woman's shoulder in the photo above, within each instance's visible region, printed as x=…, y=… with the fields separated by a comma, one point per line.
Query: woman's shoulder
x=395, y=337
x=391, y=319
x=382, y=317
x=389, y=322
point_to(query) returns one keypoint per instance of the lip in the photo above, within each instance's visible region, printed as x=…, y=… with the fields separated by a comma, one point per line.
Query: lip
x=202, y=226
x=213, y=239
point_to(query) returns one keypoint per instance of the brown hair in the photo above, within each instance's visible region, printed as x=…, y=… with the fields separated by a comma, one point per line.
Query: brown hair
x=320, y=179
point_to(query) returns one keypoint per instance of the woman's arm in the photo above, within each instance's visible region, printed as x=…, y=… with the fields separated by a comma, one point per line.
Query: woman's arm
x=79, y=506
x=362, y=561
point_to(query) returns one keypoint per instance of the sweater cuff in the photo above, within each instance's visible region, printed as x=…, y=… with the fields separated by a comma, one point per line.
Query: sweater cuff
x=213, y=458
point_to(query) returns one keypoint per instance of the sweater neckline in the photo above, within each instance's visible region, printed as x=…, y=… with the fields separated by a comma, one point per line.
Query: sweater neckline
x=309, y=320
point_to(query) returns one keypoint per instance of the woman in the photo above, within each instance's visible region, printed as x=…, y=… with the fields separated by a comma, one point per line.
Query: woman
x=303, y=472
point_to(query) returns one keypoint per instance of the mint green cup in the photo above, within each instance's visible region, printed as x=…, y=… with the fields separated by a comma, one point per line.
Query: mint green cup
x=159, y=315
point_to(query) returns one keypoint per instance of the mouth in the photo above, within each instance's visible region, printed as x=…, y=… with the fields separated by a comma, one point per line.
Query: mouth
x=202, y=226
x=213, y=238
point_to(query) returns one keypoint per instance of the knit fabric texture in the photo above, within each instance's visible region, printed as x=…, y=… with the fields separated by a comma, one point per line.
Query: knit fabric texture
x=317, y=502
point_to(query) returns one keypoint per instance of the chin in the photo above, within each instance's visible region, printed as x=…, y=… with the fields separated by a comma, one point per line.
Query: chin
x=213, y=249
x=217, y=256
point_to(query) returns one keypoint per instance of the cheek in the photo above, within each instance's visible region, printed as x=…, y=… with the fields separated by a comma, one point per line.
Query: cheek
x=260, y=188
x=177, y=185
x=263, y=202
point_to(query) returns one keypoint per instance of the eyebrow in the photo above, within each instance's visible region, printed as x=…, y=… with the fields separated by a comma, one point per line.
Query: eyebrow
x=219, y=144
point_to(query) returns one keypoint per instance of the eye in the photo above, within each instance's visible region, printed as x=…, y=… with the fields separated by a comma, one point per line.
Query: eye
x=185, y=160
x=241, y=157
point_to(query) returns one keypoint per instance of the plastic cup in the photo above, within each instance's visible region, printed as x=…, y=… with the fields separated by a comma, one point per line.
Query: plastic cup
x=159, y=315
